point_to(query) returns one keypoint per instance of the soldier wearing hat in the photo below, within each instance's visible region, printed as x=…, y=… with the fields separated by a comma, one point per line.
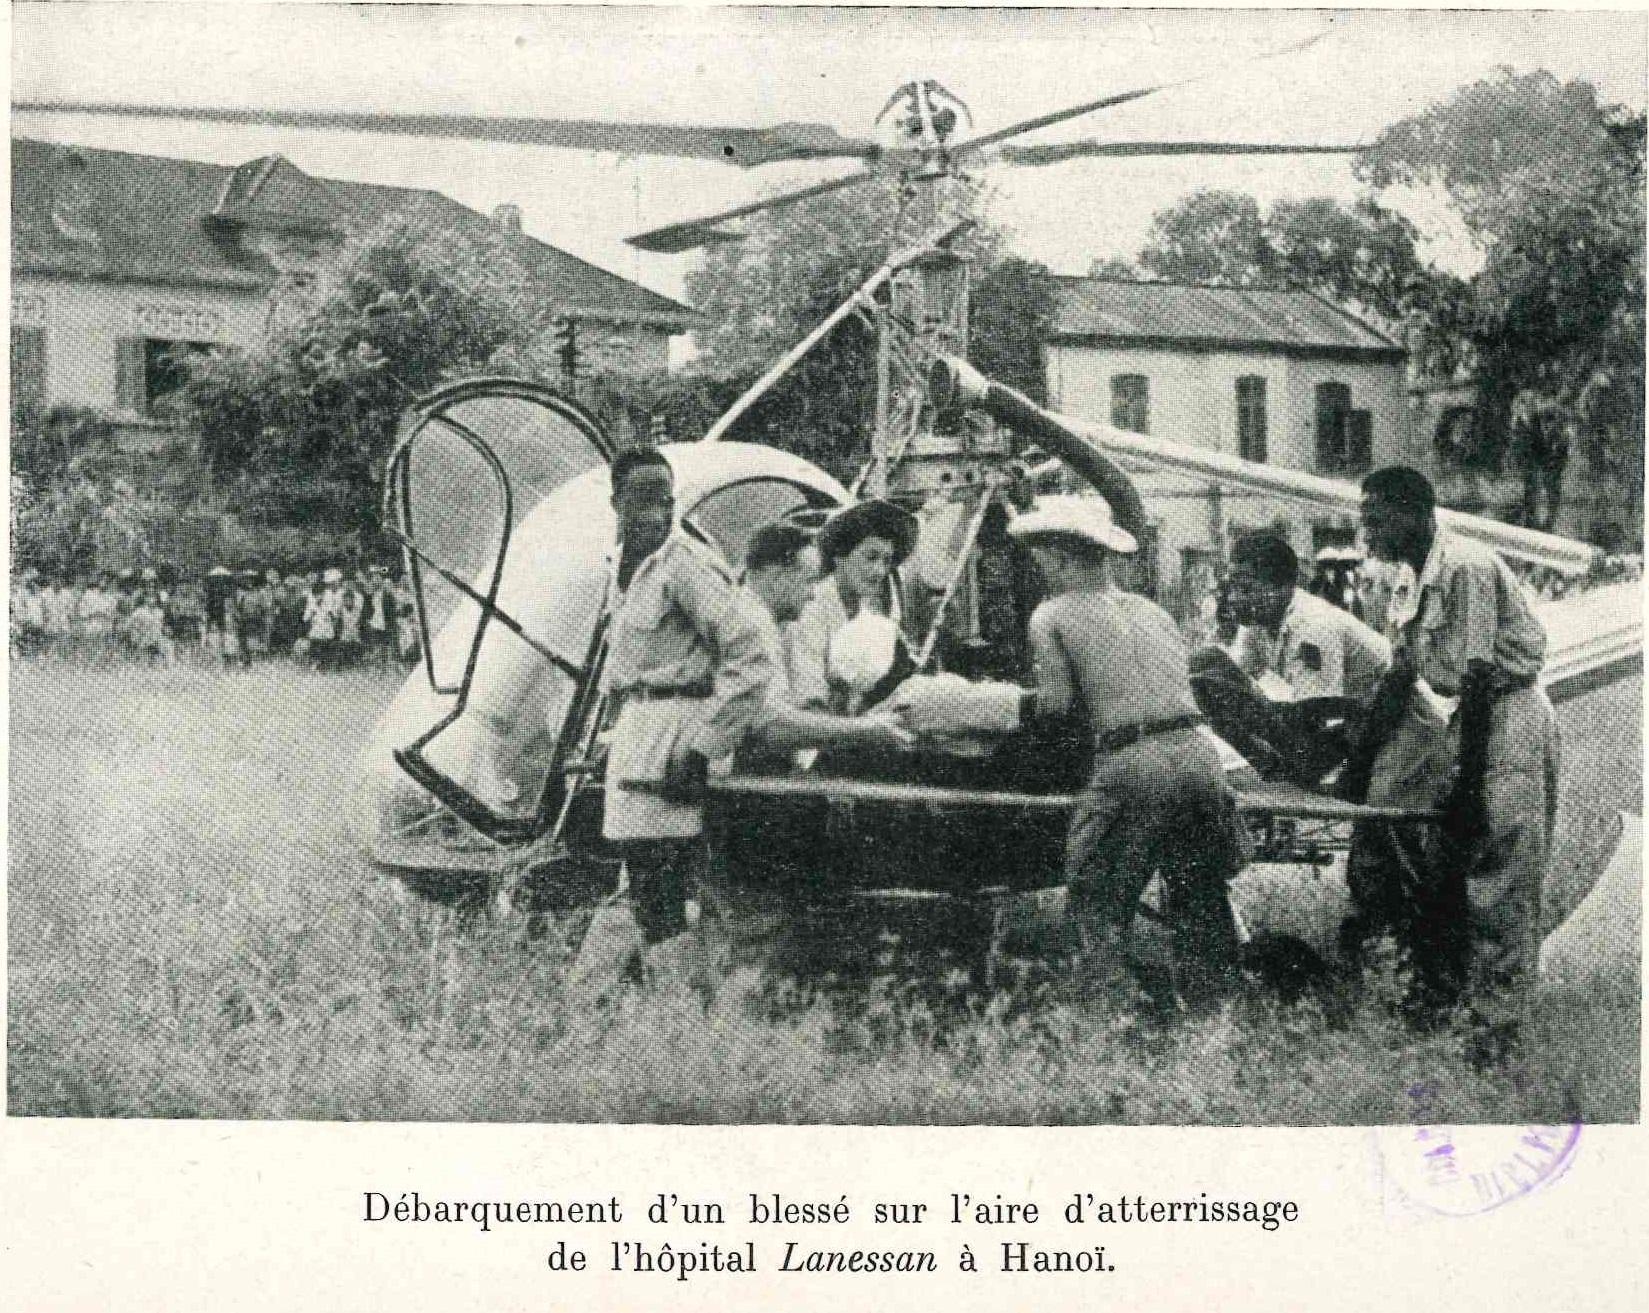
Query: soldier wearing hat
x=1156, y=803
x=859, y=550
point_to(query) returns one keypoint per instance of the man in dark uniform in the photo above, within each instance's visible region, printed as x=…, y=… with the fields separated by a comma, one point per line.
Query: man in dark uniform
x=752, y=901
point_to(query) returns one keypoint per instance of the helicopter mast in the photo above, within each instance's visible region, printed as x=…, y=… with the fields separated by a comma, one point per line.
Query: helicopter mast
x=924, y=316
x=920, y=454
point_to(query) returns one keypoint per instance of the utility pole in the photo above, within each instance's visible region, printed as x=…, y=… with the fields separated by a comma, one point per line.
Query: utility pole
x=567, y=352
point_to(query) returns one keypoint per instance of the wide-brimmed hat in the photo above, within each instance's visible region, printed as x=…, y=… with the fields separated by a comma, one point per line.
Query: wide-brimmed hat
x=333, y=576
x=1088, y=518
x=868, y=519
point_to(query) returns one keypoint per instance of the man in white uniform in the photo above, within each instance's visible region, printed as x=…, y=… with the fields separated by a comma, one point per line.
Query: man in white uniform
x=1302, y=667
x=688, y=672
x=1316, y=648
x=1477, y=735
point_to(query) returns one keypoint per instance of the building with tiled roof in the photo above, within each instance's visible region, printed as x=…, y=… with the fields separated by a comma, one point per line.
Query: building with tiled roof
x=1242, y=319
x=1279, y=375
x=118, y=258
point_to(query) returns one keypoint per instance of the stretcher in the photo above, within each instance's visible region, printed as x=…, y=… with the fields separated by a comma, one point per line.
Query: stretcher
x=1259, y=799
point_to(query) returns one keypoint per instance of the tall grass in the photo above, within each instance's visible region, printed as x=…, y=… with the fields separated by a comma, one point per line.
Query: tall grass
x=191, y=935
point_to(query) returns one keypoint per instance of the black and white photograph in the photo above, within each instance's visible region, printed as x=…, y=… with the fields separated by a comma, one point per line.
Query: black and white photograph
x=834, y=567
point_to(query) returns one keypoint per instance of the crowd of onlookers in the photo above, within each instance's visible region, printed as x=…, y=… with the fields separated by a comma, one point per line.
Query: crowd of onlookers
x=332, y=619
x=335, y=619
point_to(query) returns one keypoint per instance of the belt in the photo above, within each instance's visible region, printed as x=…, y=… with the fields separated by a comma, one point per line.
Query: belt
x=669, y=692
x=1125, y=735
x=1500, y=684
x=1503, y=684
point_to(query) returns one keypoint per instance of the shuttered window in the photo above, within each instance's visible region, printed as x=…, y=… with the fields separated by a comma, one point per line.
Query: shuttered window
x=1131, y=402
x=1333, y=425
x=130, y=361
x=1251, y=417
x=1359, y=442
x=28, y=367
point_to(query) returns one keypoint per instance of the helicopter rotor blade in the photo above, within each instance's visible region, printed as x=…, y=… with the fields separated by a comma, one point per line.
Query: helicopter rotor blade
x=743, y=147
x=684, y=236
x=1121, y=98
x=1054, y=152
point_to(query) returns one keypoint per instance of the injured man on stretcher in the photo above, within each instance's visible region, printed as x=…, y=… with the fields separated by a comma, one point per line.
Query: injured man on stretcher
x=1109, y=717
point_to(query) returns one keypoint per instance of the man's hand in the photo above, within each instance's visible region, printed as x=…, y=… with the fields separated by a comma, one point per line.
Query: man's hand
x=881, y=731
x=686, y=778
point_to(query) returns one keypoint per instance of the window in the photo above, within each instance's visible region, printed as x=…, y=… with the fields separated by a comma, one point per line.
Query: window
x=150, y=369
x=1359, y=441
x=1251, y=417
x=730, y=516
x=28, y=367
x=1333, y=424
x=1131, y=402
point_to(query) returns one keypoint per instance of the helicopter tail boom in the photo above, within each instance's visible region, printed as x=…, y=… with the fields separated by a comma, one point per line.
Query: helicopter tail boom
x=1066, y=437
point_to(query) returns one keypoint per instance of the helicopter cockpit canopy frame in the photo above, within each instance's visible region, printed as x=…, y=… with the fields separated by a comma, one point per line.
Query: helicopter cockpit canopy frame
x=472, y=459
x=527, y=440
x=497, y=492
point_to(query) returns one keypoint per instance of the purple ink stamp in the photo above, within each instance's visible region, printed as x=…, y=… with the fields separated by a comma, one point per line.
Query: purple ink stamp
x=1461, y=1171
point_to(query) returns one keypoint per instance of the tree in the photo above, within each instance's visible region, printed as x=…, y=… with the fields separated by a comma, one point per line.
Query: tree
x=1209, y=237
x=296, y=429
x=1549, y=185
x=70, y=506
x=1364, y=257
x=1111, y=267
x=1013, y=308
x=796, y=265
x=763, y=293
x=47, y=445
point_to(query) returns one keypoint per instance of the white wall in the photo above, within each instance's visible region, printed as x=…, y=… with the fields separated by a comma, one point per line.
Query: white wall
x=1194, y=400
x=625, y=348
x=84, y=320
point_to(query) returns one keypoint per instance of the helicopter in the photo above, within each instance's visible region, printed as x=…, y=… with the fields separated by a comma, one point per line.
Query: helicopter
x=480, y=774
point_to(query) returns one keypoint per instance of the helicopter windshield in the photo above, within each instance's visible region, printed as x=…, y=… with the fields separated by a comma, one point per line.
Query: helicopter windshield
x=473, y=462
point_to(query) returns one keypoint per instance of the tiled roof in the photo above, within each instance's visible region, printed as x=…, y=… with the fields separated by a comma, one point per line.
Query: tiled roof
x=86, y=213
x=1102, y=309
x=106, y=214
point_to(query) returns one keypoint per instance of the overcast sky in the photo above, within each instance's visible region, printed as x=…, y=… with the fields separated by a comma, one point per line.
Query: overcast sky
x=767, y=66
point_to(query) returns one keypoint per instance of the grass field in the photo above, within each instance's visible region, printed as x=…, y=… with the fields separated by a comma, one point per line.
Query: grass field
x=191, y=934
